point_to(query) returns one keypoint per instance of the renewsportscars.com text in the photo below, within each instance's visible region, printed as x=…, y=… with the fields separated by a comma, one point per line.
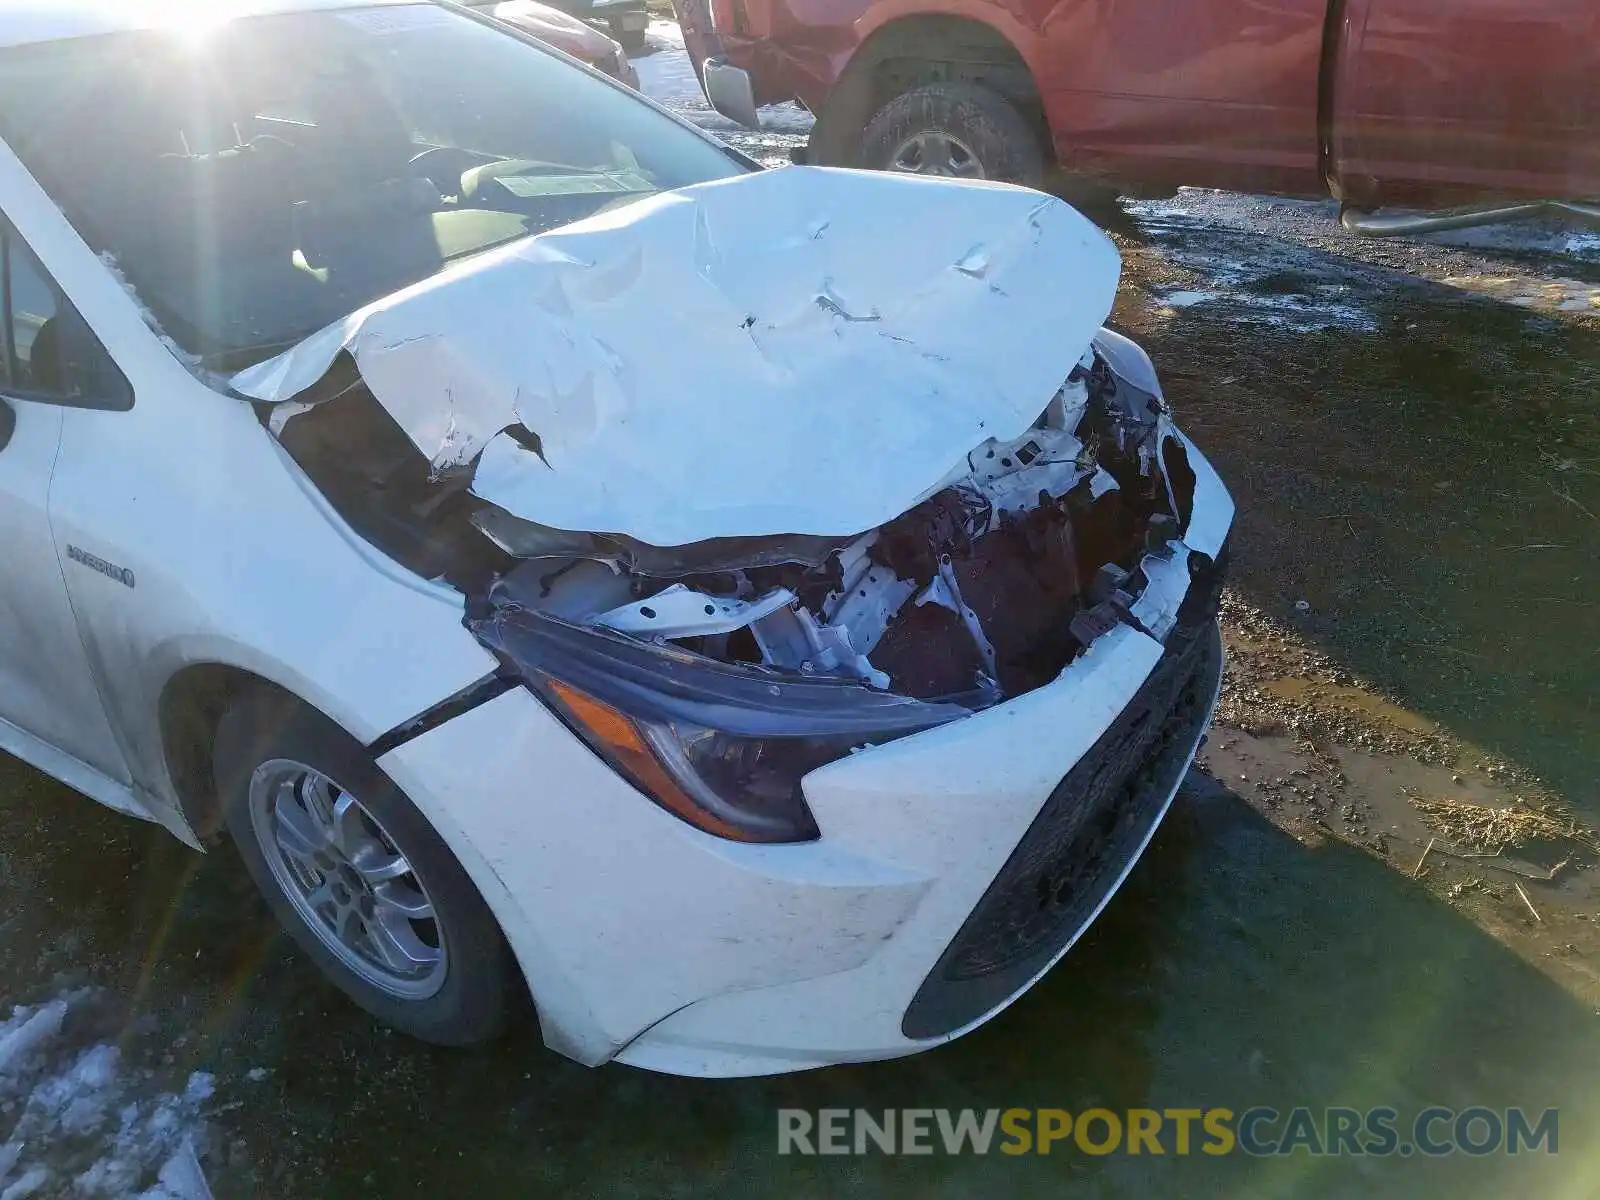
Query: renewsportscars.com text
x=1434, y=1131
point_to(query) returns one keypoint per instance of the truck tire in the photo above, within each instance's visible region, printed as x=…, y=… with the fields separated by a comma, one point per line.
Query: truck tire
x=357, y=877
x=953, y=129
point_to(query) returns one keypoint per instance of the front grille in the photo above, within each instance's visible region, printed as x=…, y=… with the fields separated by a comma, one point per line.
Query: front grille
x=1083, y=839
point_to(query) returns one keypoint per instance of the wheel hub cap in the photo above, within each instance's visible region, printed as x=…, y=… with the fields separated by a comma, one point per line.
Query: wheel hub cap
x=935, y=153
x=347, y=878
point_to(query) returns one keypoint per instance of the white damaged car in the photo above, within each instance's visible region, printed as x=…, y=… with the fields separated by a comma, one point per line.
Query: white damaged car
x=761, y=617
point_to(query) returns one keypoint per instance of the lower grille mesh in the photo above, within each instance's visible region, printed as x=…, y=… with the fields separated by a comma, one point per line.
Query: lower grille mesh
x=1075, y=852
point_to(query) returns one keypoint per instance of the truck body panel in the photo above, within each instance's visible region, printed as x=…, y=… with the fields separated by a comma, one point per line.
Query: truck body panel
x=1422, y=102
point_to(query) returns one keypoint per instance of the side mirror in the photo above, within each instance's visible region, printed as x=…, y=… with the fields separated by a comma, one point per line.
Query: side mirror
x=8, y=422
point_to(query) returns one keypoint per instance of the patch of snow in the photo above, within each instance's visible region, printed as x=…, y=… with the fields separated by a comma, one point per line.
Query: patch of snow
x=668, y=77
x=202, y=1086
x=1233, y=238
x=1303, y=314
x=1237, y=295
x=76, y=1118
x=180, y=1179
x=26, y=1032
x=1188, y=298
x=666, y=74
x=32, y=1180
x=76, y=1097
x=1247, y=270
x=1528, y=237
x=1233, y=210
x=190, y=361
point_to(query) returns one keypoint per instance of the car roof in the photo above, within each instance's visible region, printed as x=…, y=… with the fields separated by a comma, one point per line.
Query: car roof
x=26, y=21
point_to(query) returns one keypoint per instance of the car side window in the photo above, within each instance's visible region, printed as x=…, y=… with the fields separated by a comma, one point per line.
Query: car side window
x=30, y=313
x=50, y=354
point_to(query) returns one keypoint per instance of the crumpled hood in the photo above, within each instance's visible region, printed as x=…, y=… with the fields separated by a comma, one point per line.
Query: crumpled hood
x=805, y=350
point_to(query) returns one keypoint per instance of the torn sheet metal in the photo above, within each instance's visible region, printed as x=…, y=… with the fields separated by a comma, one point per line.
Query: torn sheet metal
x=870, y=597
x=791, y=638
x=1167, y=583
x=731, y=359
x=680, y=611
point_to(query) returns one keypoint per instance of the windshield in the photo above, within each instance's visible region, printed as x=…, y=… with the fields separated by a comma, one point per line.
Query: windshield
x=264, y=180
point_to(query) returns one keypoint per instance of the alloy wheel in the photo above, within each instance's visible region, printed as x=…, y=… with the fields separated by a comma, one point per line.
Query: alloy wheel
x=348, y=879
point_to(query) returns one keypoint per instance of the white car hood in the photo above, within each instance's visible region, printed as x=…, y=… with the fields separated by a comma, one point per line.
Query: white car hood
x=804, y=350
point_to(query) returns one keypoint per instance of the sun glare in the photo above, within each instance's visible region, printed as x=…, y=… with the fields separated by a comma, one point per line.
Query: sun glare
x=190, y=18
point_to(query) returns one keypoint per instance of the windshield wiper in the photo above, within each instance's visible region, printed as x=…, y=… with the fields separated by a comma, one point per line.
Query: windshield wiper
x=237, y=358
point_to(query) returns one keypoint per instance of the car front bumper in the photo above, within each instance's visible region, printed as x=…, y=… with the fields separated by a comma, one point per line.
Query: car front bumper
x=905, y=925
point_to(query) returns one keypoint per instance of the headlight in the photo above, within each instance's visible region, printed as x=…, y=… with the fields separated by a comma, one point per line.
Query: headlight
x=720, y=746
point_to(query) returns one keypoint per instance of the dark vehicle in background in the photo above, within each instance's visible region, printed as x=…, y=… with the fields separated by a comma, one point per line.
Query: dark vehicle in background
x=627, y=20
x=1489, y=108
x=566, y=33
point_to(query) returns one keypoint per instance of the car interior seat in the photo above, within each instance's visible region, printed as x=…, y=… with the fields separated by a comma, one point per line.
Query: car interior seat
x=43, y=371
x=365, y=216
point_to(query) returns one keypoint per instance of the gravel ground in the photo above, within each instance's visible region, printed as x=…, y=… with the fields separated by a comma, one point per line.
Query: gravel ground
x=1412, y=432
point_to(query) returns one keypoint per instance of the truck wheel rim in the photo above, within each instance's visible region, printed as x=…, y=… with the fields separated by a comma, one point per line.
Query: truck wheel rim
x=936, y=153
x=348, y=879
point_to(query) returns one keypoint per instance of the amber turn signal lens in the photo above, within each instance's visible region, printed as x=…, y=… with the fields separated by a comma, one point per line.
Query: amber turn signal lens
x=616, y=738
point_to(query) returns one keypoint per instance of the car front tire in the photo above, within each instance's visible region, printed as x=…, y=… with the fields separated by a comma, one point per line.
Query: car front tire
x=358, y=878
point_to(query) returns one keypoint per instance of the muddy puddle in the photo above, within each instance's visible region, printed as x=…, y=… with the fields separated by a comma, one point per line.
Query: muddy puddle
x=1539, y=896
x=1247, y=256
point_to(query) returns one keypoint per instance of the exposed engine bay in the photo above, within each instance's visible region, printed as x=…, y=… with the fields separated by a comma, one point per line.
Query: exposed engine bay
x=737, y=494
x=987, y=588
x=984, y=590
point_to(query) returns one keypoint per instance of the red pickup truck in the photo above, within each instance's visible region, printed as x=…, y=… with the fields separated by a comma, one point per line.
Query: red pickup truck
x=1492, y=106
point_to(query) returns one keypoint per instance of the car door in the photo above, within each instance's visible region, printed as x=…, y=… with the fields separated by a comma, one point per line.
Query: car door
x=48, y=361
x=1444, y=101
x=1217, y=93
